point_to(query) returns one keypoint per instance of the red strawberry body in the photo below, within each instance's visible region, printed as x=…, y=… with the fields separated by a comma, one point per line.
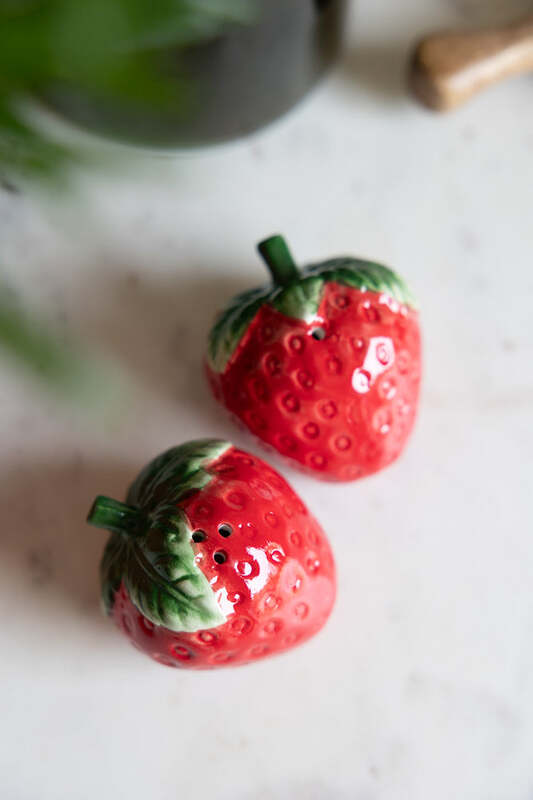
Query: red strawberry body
x=264, y=558
x=336, y=393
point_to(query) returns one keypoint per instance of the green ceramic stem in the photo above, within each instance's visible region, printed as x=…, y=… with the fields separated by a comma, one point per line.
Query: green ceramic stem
x=114, y=516
x=277, y=256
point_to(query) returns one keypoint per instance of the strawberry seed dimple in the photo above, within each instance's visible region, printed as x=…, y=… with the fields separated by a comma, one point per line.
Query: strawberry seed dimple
x=328, y=409
x=260, y=390
x=147, y=626
x=334, y=365
x=305, y=379
x=273, y=365
x=271, y=519
x=403, y=407
x=258, y=650
x=361, y=381
x=387, y=388
x=367, y=311
x=204, y=511
x=291, y=403
x=311, y=430
x=301, y=610
x=382, y=420
x=273, y=626
x=403, y=362
x=287, y=443
x=241, y=626
x=312, y=563
x=318, y=461
x=272, y=602
x=383, y=354
x=290, y=639
x=236, y=500
x=267, y=333
x=206, y=637
x=314, y=538
x=296, y=343
x=220, y=658
x=343, y=442
x=276, y=556
x=341, y=301
x=244, y=568
x=180, y=652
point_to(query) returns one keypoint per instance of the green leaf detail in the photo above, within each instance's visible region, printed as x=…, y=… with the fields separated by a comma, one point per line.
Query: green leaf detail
x=231, y=324
x=162, y=579
x=300, y=300
x=175, y=472
x=156, y=562
x=360, y=274
x=111, y=570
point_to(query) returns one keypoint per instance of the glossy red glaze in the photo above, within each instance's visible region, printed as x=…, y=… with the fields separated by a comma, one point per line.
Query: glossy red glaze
x=276, y=586
x=341, y=407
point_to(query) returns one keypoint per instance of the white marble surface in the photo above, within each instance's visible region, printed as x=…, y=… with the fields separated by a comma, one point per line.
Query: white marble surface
x=422, y=684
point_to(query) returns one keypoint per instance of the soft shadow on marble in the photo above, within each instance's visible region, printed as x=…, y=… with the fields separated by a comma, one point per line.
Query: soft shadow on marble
x=47, y=551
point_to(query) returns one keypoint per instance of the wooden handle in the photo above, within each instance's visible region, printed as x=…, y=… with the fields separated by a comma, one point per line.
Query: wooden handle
x=447, y=68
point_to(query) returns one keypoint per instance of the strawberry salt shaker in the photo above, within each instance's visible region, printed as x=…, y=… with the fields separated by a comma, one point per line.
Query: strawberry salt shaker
x=322, y=364
x=213, y=560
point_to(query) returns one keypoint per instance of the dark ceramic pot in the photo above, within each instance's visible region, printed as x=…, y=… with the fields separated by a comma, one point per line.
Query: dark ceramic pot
x=239, y=81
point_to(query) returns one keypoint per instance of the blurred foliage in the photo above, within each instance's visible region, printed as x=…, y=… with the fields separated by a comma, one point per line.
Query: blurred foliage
x=111, y=50
x=64, y=367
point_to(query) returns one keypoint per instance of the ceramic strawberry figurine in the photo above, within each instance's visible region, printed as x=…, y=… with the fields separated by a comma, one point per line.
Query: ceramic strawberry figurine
x=213, y=560
x=322, y=364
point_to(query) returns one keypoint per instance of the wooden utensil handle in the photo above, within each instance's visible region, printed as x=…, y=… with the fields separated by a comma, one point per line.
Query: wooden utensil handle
x=447, y=68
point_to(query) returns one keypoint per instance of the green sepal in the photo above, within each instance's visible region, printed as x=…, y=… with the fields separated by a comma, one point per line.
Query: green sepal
x=360, y=274
x=111, y=570
x=302, y=299
x=156, y=560
x=175, y=473
x=231, y=324
x=299, y=300
x=163, y=581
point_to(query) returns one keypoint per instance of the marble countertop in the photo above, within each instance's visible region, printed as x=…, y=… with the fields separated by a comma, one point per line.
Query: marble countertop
x=421, y=685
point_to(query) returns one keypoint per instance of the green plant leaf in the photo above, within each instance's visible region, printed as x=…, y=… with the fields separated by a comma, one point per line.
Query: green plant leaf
x=66, y=369
x=114, y=52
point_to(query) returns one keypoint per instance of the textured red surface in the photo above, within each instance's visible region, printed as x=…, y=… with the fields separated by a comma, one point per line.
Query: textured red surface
x=277, y=585
x=341, y=407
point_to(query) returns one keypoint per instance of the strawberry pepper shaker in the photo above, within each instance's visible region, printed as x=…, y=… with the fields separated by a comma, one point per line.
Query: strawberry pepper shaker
x=323, y=364
x=213, y=560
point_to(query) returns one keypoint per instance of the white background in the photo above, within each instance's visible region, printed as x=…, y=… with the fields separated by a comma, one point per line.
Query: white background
x=421, y=686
